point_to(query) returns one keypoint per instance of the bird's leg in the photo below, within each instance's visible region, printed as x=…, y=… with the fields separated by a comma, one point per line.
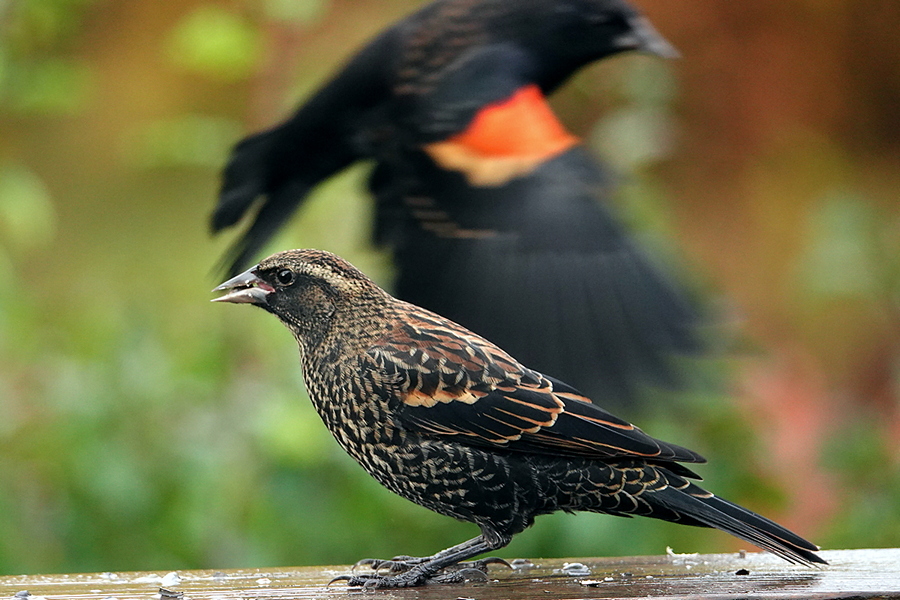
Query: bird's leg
x=420, y=570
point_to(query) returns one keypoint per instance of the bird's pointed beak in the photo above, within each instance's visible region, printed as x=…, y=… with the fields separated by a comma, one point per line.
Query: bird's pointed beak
x=246, y=288
x=644, y=37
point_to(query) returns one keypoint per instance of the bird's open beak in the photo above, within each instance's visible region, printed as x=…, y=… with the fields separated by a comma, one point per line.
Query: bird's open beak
x=645, y=38
x=245, y=288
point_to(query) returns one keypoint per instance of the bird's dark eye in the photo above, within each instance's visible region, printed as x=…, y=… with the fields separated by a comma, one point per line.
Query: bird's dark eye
x=285, y=277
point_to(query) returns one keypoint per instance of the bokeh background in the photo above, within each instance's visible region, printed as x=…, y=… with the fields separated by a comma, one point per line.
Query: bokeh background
x=142, y=427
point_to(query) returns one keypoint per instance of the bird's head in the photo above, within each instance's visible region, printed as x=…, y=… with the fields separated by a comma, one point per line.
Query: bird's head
x=568, y=34
x=309, y=291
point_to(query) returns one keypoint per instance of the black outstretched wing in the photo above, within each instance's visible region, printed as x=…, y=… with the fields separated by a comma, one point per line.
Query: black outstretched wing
x=281, y=165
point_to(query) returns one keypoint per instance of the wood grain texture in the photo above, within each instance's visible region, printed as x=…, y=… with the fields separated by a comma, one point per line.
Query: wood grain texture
x=851, y=574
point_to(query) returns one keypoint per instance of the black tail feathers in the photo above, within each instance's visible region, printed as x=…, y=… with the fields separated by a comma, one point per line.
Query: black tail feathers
x=700, y=507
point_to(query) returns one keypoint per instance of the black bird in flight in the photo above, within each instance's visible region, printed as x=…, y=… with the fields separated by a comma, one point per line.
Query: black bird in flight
x=494, y=212
x=448, y=420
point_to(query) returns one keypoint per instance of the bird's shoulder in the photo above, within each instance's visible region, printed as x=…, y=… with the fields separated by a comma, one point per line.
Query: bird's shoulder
x=438, y=356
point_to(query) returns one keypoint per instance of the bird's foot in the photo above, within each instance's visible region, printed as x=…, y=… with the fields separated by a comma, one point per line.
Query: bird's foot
x=398, y=564
x=374, y=581
x=411, y=576
x=401, y=564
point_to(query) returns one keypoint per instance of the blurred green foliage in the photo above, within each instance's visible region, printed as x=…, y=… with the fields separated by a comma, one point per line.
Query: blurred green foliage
x=143, y=428
x=216, y=42
x=36, y=75
x=26, y=211
x=863, y=454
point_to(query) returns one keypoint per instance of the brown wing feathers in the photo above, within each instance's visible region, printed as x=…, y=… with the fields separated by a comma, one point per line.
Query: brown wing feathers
x=454, y=383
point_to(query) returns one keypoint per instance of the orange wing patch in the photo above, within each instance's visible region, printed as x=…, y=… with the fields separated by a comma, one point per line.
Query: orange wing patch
x=420, y=398
x=505, y=140
x=575, y=397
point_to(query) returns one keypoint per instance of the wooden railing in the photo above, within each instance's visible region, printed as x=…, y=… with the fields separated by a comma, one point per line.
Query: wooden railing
x=856, y=574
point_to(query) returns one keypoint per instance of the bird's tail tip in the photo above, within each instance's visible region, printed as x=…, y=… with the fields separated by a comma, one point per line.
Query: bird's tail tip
x=709, y=510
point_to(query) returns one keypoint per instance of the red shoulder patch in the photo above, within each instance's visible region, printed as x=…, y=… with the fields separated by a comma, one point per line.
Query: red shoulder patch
x=505, y=140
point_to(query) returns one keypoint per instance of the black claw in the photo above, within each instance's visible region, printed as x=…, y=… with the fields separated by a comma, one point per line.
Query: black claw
x=346, y=578
x=372, y=563
x=491, y=560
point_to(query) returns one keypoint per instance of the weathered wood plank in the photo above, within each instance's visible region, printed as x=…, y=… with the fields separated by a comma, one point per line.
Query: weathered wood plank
x=852, y=574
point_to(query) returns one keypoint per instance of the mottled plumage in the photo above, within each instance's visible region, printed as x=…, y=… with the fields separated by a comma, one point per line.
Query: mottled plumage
x=498, y=218
x=450, y=421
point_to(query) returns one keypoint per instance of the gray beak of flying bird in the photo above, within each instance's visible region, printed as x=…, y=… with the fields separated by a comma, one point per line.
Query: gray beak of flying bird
x=245, y=288
x=645, y=38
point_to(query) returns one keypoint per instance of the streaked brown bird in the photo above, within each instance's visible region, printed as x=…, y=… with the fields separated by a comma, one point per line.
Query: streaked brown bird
x=450, y=421
x=480, y=191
